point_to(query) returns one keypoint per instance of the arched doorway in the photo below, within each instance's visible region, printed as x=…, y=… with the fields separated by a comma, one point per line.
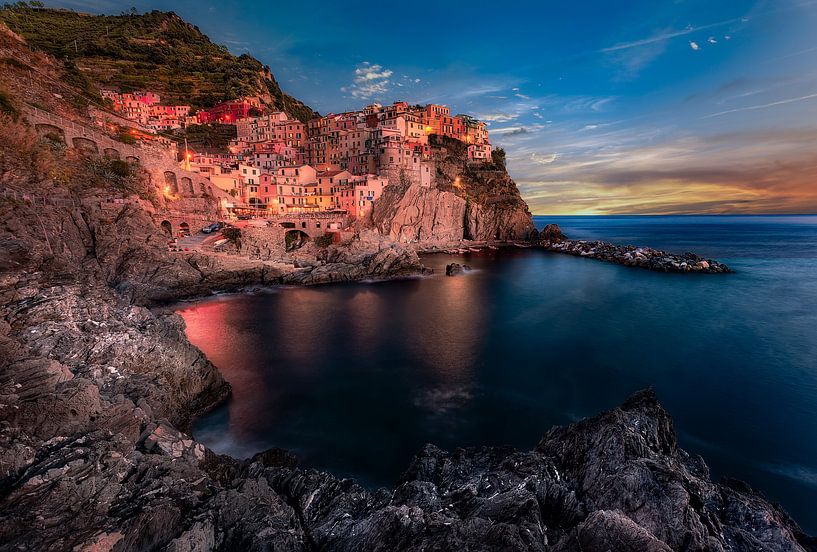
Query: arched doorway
x=85, y=145
x=170, y=182
x=167, y=228
x=111, y=153
x=53, y=133
x=184, y=229
x=187, y=184
x=295, y=239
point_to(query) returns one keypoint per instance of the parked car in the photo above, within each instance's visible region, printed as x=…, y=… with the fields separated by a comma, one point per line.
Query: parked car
x=210, y=228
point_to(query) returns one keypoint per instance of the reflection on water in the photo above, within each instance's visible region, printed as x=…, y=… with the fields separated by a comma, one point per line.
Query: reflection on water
x=356, y=378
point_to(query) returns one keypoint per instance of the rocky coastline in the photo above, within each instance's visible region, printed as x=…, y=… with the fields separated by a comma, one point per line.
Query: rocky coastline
x=640, y=257
x=98, y=388
x=552, y=239
x=97, y=391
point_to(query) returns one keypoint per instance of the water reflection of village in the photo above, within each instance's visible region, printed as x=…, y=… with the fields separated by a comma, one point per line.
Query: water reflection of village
x=306, y=364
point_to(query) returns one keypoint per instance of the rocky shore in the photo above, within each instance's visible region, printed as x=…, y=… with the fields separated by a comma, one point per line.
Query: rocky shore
x=640, y=257
x=98, y=389
x=552, y=239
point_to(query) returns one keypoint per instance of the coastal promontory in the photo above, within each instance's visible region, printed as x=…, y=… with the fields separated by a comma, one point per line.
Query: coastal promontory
x=103, y=223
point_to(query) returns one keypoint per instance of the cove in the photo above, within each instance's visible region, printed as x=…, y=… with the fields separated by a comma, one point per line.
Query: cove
x=355, y=378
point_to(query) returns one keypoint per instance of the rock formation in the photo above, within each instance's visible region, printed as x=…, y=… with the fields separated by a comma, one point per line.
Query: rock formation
x=553, y=239
x=464, y=201
x=454, y=269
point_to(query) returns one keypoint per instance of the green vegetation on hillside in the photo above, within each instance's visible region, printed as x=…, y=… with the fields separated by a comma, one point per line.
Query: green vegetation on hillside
x=156, y=51
x=207, y=137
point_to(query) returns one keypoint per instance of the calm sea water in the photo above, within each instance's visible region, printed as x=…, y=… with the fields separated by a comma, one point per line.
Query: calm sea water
x=356, y=378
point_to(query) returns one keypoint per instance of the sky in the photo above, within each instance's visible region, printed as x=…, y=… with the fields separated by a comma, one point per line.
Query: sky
x=603, y=107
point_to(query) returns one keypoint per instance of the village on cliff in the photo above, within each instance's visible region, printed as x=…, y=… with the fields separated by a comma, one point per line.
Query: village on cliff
x=338, y=163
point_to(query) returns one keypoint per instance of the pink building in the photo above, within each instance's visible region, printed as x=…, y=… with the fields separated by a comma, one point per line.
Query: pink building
x=357, y=196
x=230, y=111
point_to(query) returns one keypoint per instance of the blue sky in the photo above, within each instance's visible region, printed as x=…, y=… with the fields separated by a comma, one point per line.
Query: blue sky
x=603, y=107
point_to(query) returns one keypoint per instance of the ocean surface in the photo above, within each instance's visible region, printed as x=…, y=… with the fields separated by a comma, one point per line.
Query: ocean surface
x=355, y=378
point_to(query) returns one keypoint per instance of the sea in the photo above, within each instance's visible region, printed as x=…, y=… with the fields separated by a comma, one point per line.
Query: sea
x=356, y=378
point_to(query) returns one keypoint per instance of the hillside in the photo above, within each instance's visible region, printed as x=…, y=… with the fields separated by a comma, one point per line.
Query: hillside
x=157, y=51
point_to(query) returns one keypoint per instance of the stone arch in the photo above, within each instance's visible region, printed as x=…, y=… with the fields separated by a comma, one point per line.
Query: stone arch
x=45, y=130
x=202, y=188
x=111, y=153
x=295, y=239
x=85, y=144
x=184, y=229
x=167, y=227
x=170, y=182
x=132, y=159
x=187, y=185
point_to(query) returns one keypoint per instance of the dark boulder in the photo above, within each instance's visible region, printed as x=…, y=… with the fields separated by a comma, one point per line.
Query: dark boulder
x=552, y=233
x=456, y=268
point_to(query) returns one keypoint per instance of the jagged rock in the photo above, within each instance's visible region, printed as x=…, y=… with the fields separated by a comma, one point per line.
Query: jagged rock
x=453, y=269
x=417, y=214
x=641, y=257
x=473, y=202
x=551, y=233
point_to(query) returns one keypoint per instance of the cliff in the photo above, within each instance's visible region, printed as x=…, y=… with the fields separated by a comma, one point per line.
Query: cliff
x=471, y=201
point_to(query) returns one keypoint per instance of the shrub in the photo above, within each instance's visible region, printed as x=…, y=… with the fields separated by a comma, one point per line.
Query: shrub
x=324, y=241
x=7, y=105
x=231, y=233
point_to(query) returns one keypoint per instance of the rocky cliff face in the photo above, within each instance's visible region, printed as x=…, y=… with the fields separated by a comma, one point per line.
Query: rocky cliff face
x=465, y=201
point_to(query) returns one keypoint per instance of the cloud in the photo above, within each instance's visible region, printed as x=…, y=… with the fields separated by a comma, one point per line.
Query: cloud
x=762, y=106
x=694, y=45
x=371, y=80
x=763, y=171
x=663, y=36
x=544, y=159
x=515, y=130
x=634, y=55
x=497, y=117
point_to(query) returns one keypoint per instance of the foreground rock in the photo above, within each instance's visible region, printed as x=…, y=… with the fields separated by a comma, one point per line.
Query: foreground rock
x=553, y=239
x=614, y=482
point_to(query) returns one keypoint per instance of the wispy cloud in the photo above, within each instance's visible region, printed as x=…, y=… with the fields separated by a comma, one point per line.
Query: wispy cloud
x=750, y=172
x=666, y=35
x=762, y=106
